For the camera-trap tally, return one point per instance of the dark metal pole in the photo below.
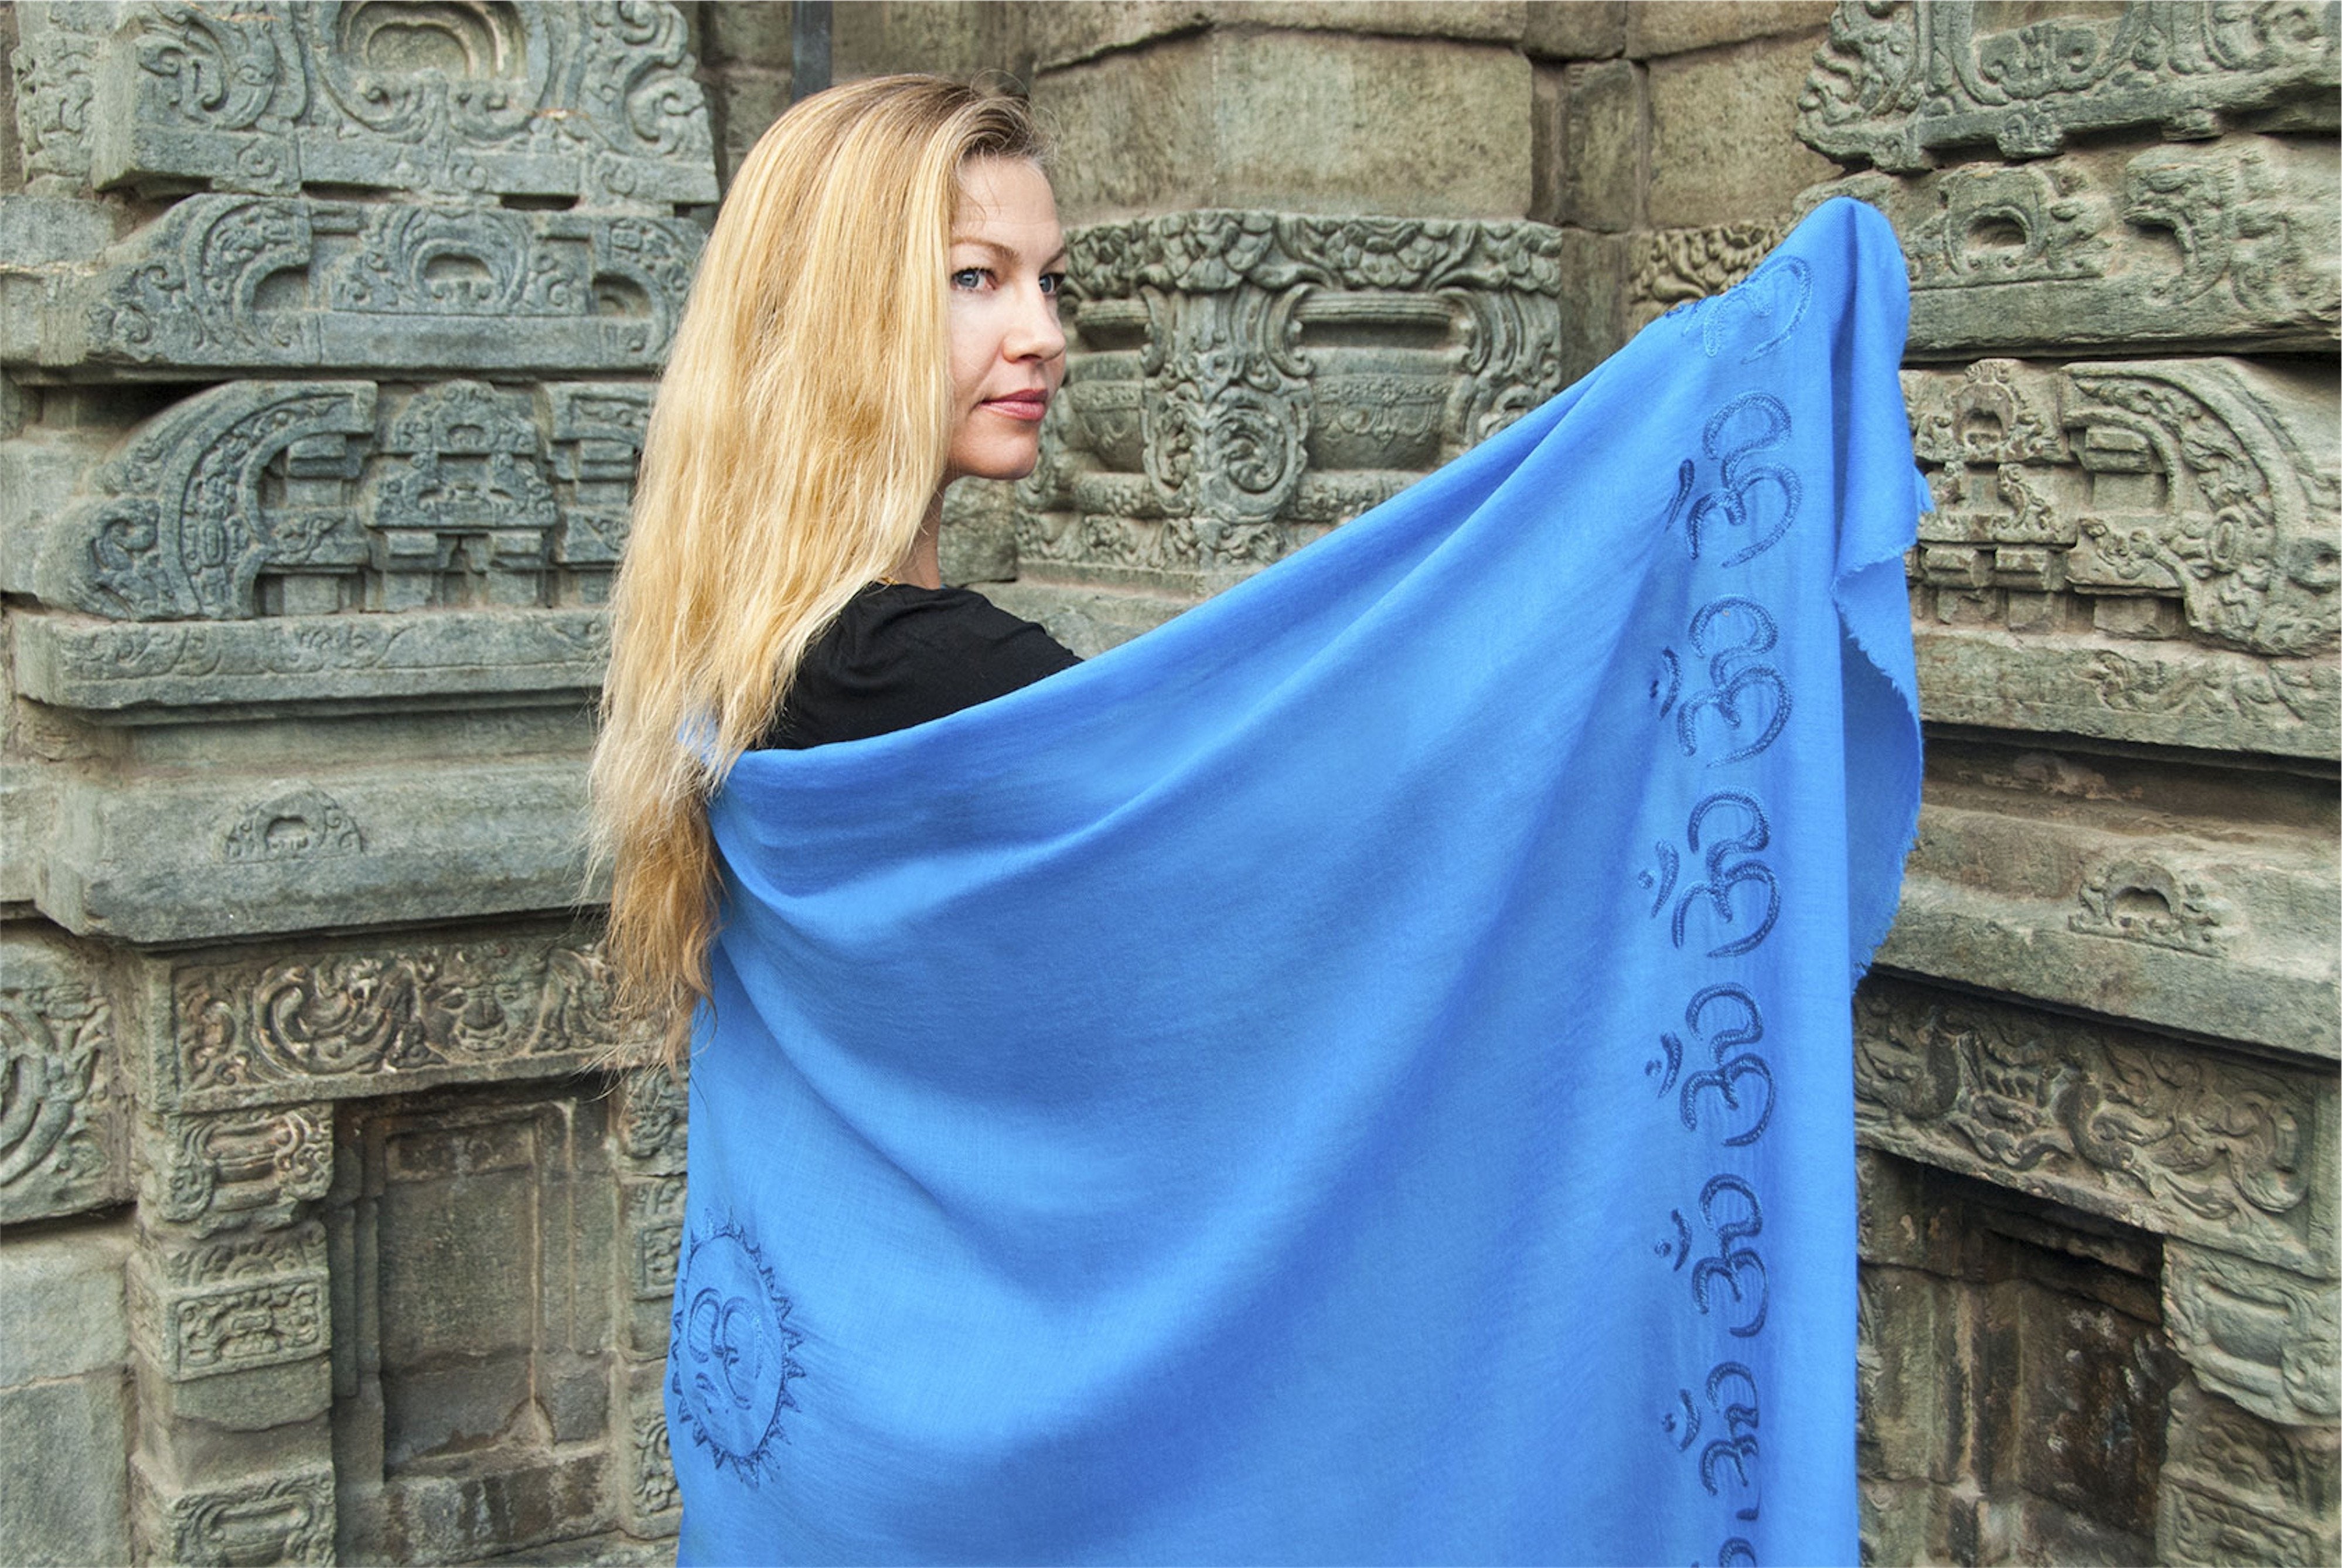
(808, 47)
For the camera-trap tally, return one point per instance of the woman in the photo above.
(1200, 1108)
(874, 316)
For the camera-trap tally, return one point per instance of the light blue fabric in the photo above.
(1361, 1073)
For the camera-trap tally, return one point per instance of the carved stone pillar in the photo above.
(328, 337)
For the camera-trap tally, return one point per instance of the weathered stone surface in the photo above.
(2174, 1141)
(286, 1518)
(64, 1488)
(234, 1304)
(61, 1134)
(234, 1169)
(1242, 382)
(2238, 1489)
(123, 667)
(877, 37)
(2226, 245)
(60, 1311)
(526, 99)
(53, 231)
(340, 1019)
(1669, 268)
(1904, 86)
(1087, 620)
(1291, 120)
(269, 497)
(1606, 150)
(979, 543)
(1675, 26)
(165, 863)
(1706, 110)
(261, 283)
(1573, 29)
(2261, 1335)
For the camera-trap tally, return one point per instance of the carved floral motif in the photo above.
(1898, 85)
(228, 1305)
(55, 1042)
(309, 1026)
(2136, 899)
(284, 1519)
(2166, 1138)
(2263, 1337)
(303, 823)
(239, 1168)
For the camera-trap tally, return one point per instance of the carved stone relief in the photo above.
(303, 823)
(236, 1168)
(402, 1017)
(59, 1137)
(286, 1518)
(202, 1308)
(591, 102)
(1243, 381)
(1906, 86)
(2171, 1139)
(2236, 1488)
(274, 283)
(2262, 1335)
(293, 498)
(2228, 244)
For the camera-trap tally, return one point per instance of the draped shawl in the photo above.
(1362, 1072)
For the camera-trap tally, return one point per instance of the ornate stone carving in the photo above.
(2194, 1527)
(298, 825)
(651, 1481)
(1902, 87)
(57, 1044)
(301, 1029)
(1243, 380)
(1674, 267)
(248, 283)
(284, 1519)
(2135, 899)
(109, 666)
(229, 1305)
(269, 498)
(652, 1220)
(2169, 1139)
(592, 102)
(57, 48)
(2228, 244)
(2262, 1335)
(237, 1168)
(651, 1122)
(2196, 481)
(2235, 1486)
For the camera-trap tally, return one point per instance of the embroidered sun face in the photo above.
(728, 1366)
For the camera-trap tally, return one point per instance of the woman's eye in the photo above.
(1053, 283)
(970, 277)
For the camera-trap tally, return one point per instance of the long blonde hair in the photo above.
(795, 442)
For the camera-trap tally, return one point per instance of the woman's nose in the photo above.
(1036, 332)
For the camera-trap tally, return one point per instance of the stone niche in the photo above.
(329, 332)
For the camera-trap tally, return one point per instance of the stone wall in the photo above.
(324, 337)
(328, 333)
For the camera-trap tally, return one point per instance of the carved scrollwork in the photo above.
(56, 1039)
(2262, 1335)
(286, 1518)
(2160, 1136)
(1898, 85)
(52, 62)
(464, 101)
(229, 1304)
(301, 824)
(300, 1028)
(245, 1168)
(2140, 900)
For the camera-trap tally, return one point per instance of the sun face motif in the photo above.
(728, 1366)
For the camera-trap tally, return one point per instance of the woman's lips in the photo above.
(1027, 406)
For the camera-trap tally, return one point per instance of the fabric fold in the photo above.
(1362, 1072)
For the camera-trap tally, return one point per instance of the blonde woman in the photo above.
(874, 316)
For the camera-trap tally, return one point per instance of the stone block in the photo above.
(1910, 86)
(64, 1481)
(484, 1512)
(1485, 21)
(1089, 621)
(2088, 1433)
(749, 33)
(602, 107)
(2221, 246)
(2023, 1528)
(61, 1304)
(2228, 1473)
(1679, 26)
(1605, 157)
(979, 544)
(2261, 1335)
(53, 231)
(60, 1116)
(877, 37)
(320, 1019)
(259, 283)
(234, 1169)
(222, 1307)
(1296, 121)
(1573, 29)
(1722, 143)
(1909, 1376)
(748, 101)
(284, 1517)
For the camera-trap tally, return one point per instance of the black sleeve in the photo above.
(900, 655)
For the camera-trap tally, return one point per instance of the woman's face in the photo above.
(1007, 351)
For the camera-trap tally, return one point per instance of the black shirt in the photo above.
(899, 655)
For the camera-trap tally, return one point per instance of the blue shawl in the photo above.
(1362, 1072)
